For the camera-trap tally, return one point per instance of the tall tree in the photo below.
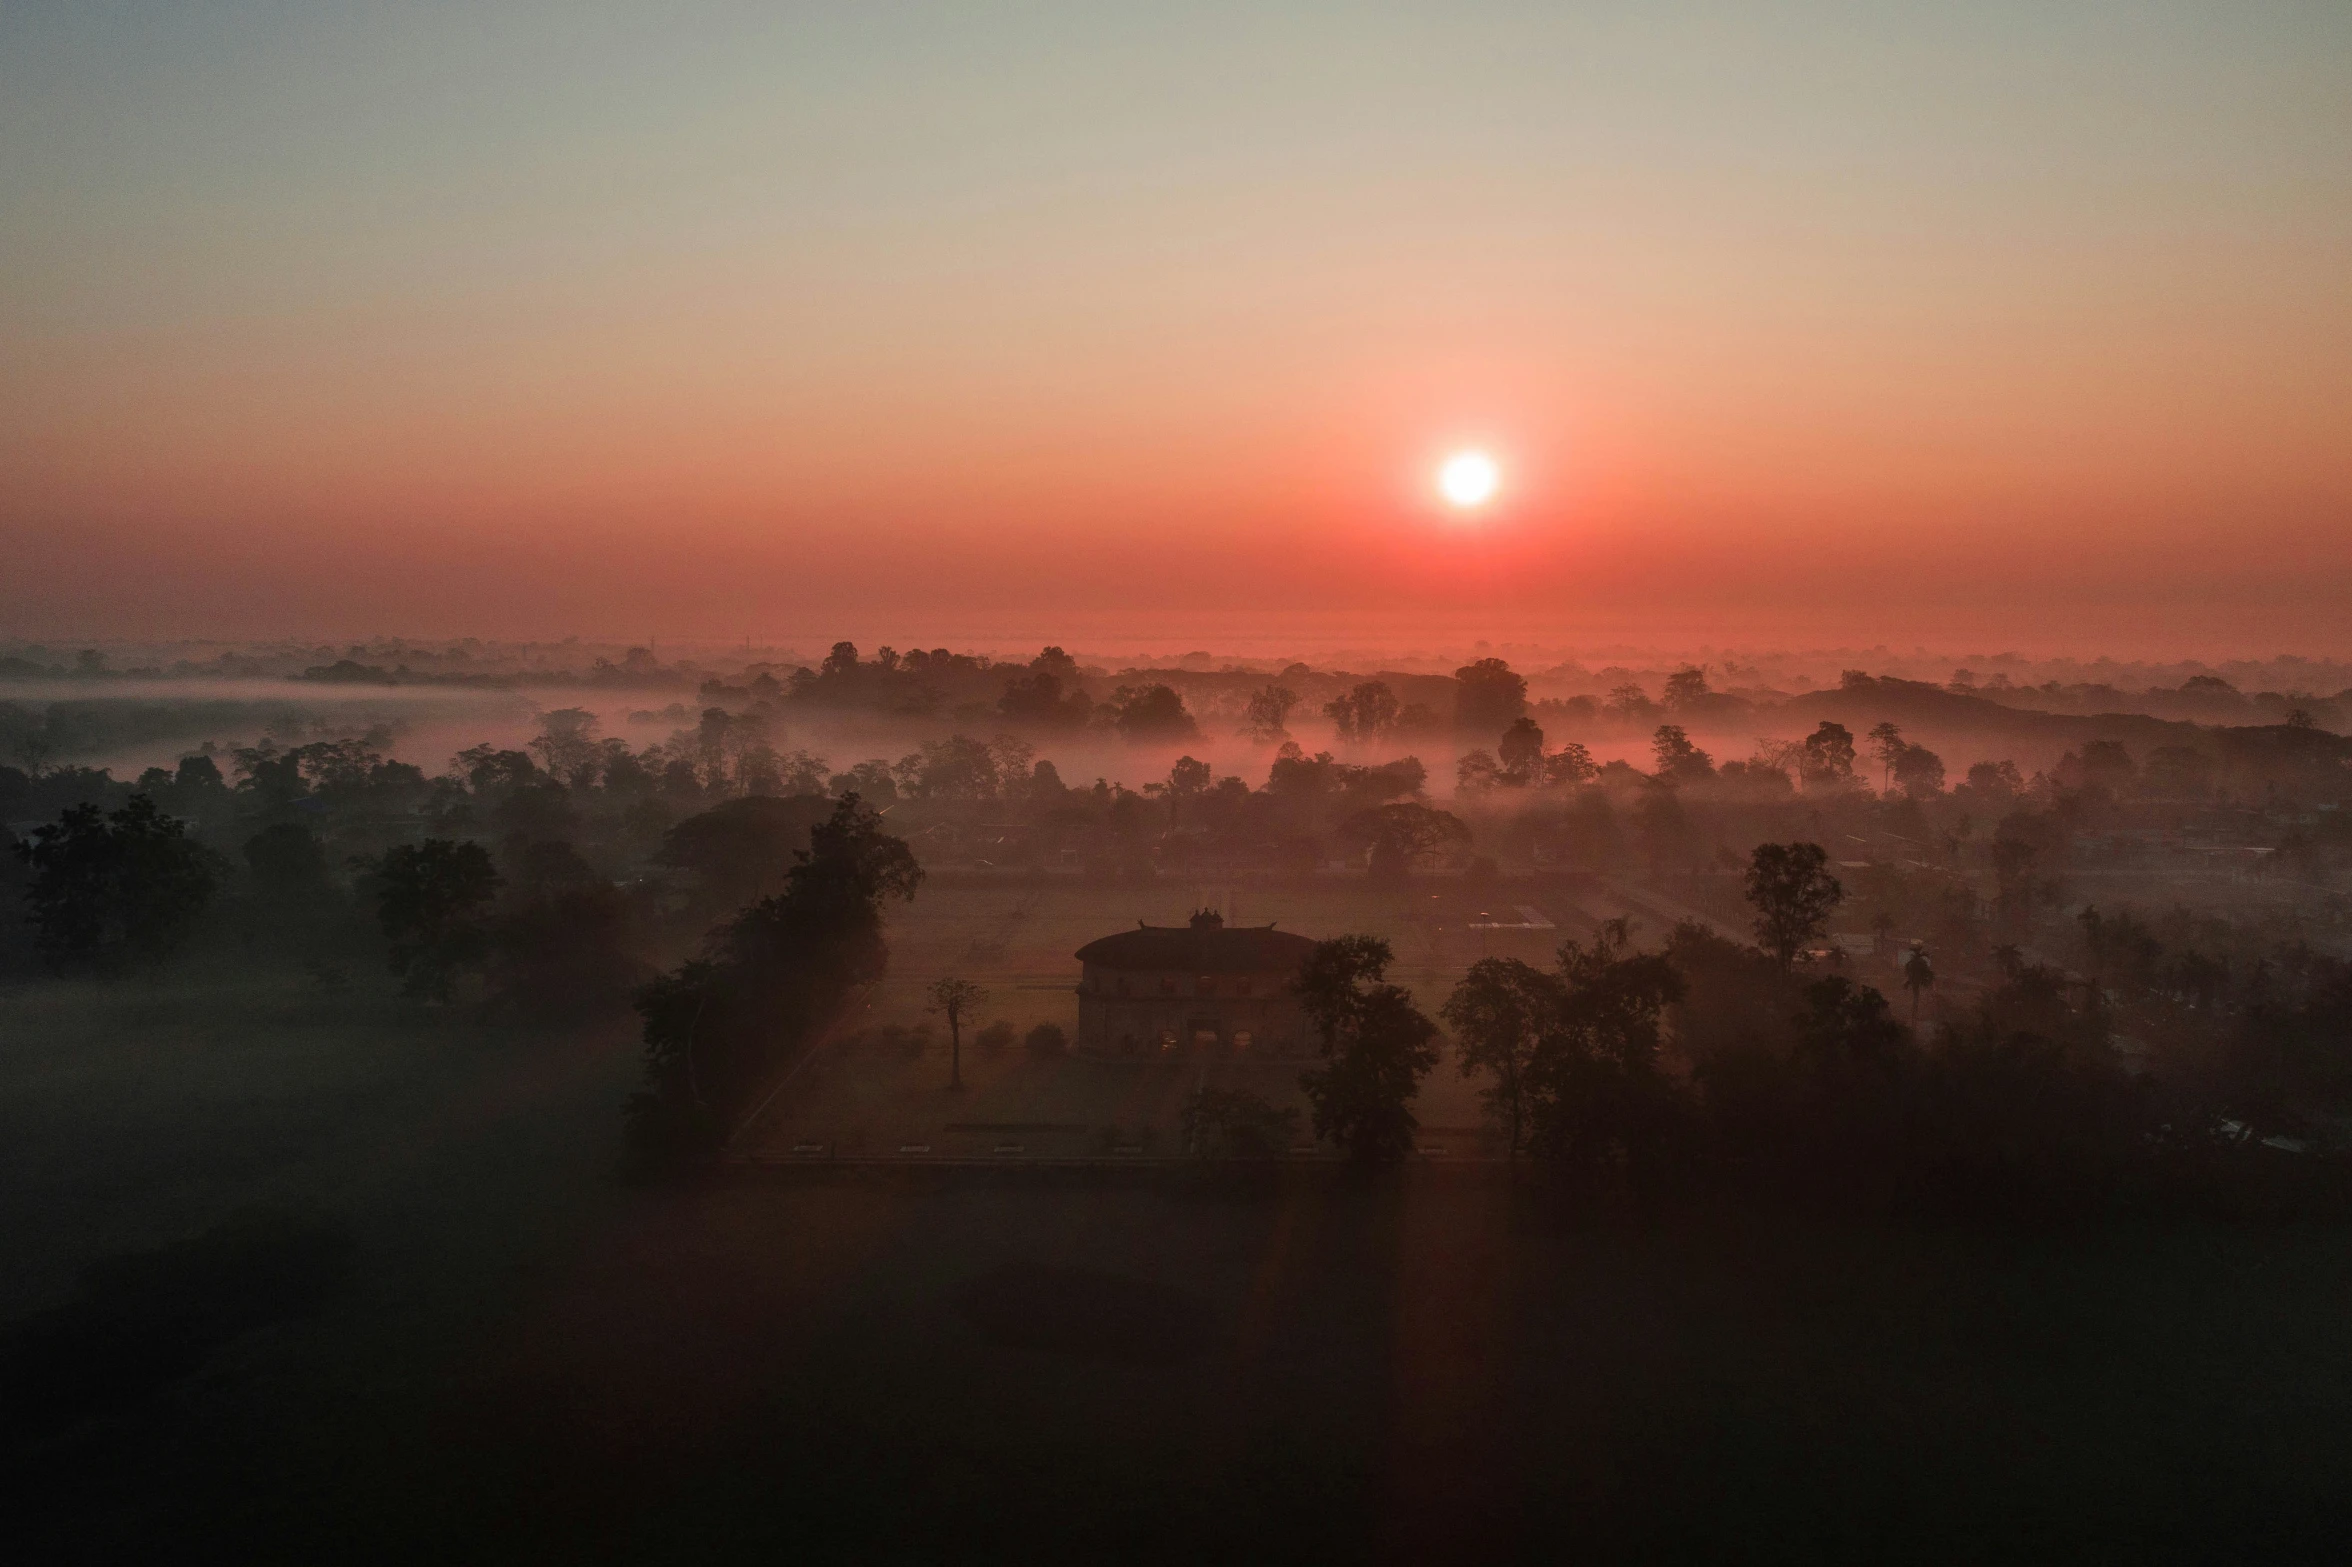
(1501, 1014)
(1918, 976)
(741, 851)
(1597, 1092)
(1827, 759)
(115, 887)
(1521, 752)
(955, 999)
(1151, 713)
(1686, 688)
(431, 899)
(1886, 743)
(1268, 717)
(771, 979)
(1368, 712)
(1488, 694)
(1919, 772)
(1793, 895)
(1402, 835)
(1679, 761)
(1376, 1048)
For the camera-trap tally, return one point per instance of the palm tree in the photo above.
(955, 997)
(1918, 975)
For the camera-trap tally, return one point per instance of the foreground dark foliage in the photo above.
(113, 888)
(718, 1028)
(1376, 1048)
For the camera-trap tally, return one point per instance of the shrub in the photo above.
(1047, 1041)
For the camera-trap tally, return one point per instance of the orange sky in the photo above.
(1810, 323)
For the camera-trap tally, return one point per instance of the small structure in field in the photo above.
(1203, 988)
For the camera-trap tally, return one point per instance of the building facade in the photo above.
(1205, 988)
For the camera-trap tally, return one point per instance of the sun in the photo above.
(1468, 480)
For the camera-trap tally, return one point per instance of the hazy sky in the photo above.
(1808, 322)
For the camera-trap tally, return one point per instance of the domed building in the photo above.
(1203, 988)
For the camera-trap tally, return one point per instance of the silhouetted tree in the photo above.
(1828, 757)
(1044, 698)
(1919, 772)
(1521, 753)
(772, 978)
(1501, 1014)
(1477, 772)
(1886, 743)
(1918, 976)
(289, 867)
(1268, 715)
(114, 887)
(1488, 694)
(1679, 761)
(1571, 764)
(1628, 703)
(954, 999)
(1686, 688)
(1152, 713)
(1366, 713)
(1793, 896)
(566, 949)
(1598, 1098)
(743, 850)
(566, 745)
(1376, 1048)
(1402, 835)
(431, 899)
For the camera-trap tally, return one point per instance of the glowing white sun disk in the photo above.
(1468, 479)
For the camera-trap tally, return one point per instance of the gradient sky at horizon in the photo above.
(2011, 323)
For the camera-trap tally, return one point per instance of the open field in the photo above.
(529, 1358)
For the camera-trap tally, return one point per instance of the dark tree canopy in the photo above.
(1046, 699)
(1502, 1013)
(1376, 1048)
(1793, 895)
(1268, 717)
(1827, 757)
(742, 850)
(432, 898)
(1488, 695)
(1368, 712)
(1403, 835)
(1521, 752)
(1153, 712)
(1598, 1099)
(115, 887)
(772, 979)
(288, 862)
